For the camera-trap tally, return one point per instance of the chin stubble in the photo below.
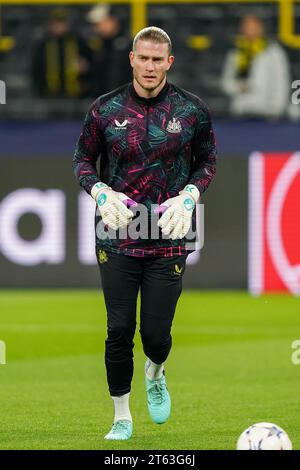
(149, 88)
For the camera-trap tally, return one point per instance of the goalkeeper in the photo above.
(157, 151)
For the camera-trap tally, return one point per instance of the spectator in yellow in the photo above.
(61, 60)
(256, 74)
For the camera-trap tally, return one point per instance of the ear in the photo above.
(131, 58)
(170, 61)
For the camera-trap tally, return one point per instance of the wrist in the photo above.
(192, 191)
(98, 188)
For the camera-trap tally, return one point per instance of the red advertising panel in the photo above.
(274, 223)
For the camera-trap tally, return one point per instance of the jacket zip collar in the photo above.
(149, 101)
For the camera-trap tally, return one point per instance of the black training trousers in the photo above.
(160, 283)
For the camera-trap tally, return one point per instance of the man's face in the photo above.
(252, 28)
(108, 27)
(150, 63)
(59, 28)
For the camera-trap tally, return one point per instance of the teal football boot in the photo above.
(158, 399)
(121, 430)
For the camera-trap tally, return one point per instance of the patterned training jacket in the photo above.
(148, 149)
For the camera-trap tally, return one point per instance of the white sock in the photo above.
(122, 410)
(153, 371)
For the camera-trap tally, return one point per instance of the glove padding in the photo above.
(112, 206)
(177, 213)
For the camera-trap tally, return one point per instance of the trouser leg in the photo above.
(121, 276)
(160, 290)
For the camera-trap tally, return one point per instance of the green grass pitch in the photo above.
(230, 367)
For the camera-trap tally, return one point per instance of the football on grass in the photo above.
(264, 436)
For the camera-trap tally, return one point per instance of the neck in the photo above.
(148, 93)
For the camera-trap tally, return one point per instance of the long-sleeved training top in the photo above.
(149, 149)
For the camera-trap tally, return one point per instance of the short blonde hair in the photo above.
(152, 33)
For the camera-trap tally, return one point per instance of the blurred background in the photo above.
(241, 57)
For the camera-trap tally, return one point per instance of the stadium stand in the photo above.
(198, 65)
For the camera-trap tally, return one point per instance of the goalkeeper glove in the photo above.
(177, 212)
(112, 206)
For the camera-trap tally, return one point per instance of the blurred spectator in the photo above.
(111, 66)
(61, 61)
(256, 75)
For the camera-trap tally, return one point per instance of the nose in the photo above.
(150, 66)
